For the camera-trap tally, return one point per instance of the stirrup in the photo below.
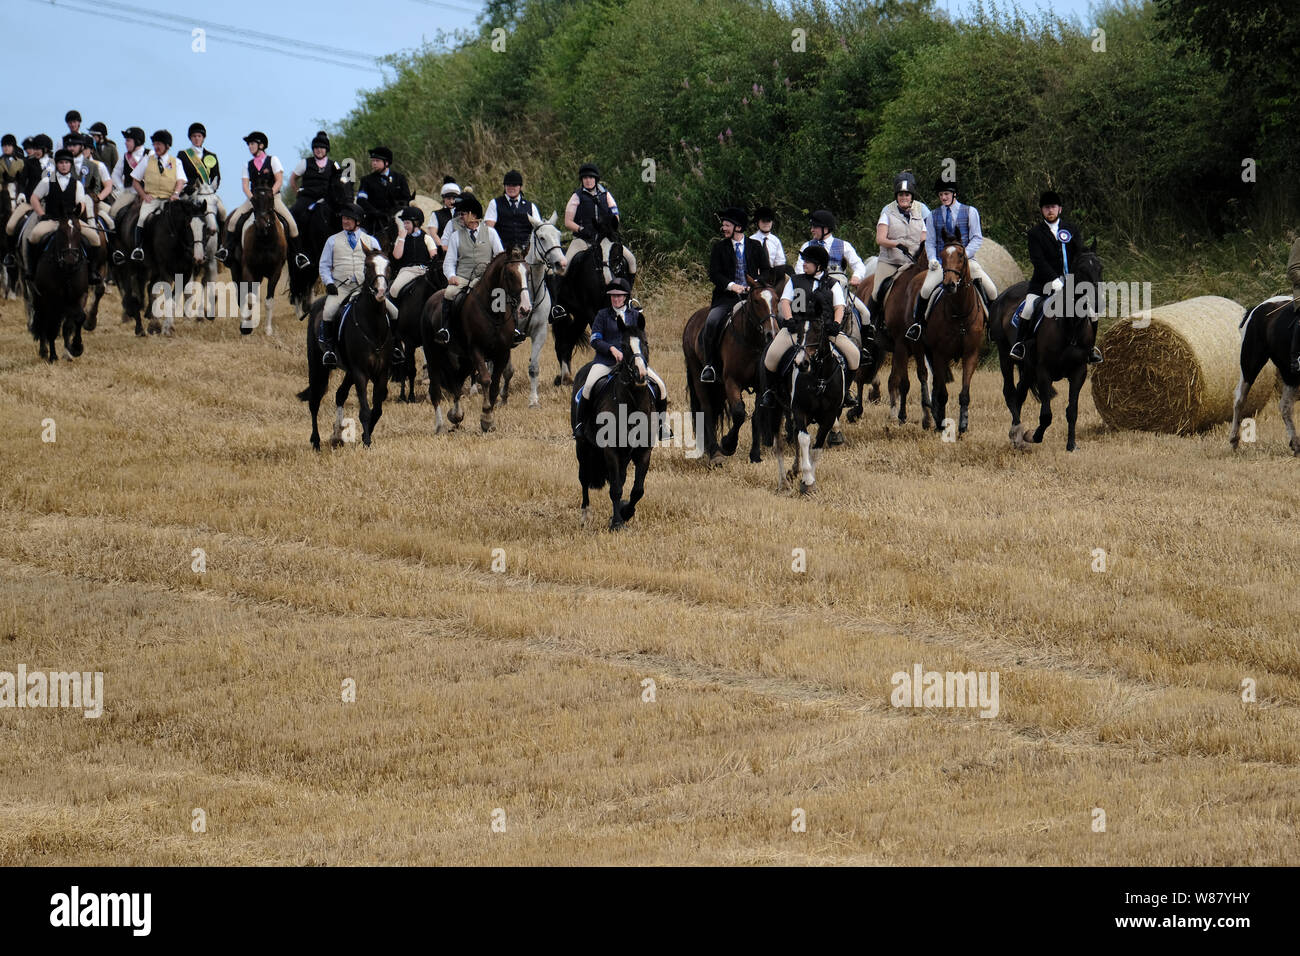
(399, 356)
(1095, 358)
(519, 336)
(913, 333)
(221, 254)
(328, 358)
(708, 374)
(301, 260)
(1018, 351)
(768, 399)
(558, 312)
(10, 261)
(442, 336)
(137, 254)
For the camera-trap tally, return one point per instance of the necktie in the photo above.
(819, 242)
(947, 218)
(160, 165)
(740, 264)
(352, 240)
(473, 234)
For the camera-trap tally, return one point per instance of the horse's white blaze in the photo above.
(381, 277)
(525, 303)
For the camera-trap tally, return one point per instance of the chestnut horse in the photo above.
(954, 331)
(262, 254)
(893, 316)
(745, 336)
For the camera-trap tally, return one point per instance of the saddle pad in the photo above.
(1038, 309)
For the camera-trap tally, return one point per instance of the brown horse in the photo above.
(745, 337)
(897, 309)
(262, 253)
(955, 330)
(482, 334)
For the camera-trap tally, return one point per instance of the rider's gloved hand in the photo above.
(331, 289)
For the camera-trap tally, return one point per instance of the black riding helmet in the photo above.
(618, 285)
(353, 212)
(99, 128)
(905, 182)
(824, 218)
(197, 128)
(135, 134)
(1050, 198)
(943, 185)
(383, 153)
(162, 136)
(817, 254)
(62, 155)
(764, 214)
(412, 214)
(467, 203)
(9, 139)
(734, 215)
(513, 178)
(257, 136)
(588, 169)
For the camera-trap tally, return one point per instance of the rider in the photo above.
(1293, 273)
(964, 220)
(384, 190)
(811, 296)
(203, 175)
(413, 252)
(73, 119)
(900, 233)
(470, 248)
(157, 180)
(612, 330)
(821, 228)
(36, 166)
(315, 179)
(450, 193)
(263, 170)
(134, 154)
(55, 198)
(1051, 243)
(770, 242)
(11, 163)
(95, 179)
(590, 206)
(343, 264)
(510, 214)
(733, 260)
(105, 148)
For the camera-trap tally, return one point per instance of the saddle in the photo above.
(1036, 318)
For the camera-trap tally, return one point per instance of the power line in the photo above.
(449, 6)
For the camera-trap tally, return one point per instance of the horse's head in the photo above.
(69, 253)
(264, 208)
(546, 246)
(760, 310)
(514, 280)
(377, 266)
(1087, 271)
(186, 217)
(952, 259)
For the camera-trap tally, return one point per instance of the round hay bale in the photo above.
(999, 265)
(1177, 374)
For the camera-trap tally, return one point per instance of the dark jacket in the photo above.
(722, 267)
(1045, 254)
(384, 196)
(608, 333)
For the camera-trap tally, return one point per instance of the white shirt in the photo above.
(491, 214)
(168, 162)
(837, 291)
(43, 188)
(121, 171)
(276, 167)
(770, 242)
(453, 248)
(1055, 227)
(856, 267)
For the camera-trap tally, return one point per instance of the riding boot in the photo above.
(915, 330)
(399, 353)
(984, 297)
(443, 335)
(580, 414)
(295, 252)
(328, 338)
(518, 336)
(766, 397)
(1022, 335)
(1295, 339)
(709, 373)
(1095, 358)
(137, 254)
(557, 311)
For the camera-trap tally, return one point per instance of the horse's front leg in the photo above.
(340, 396)
(363, 401)
(923, 382)
(535, 363)
(1072, 409)
(641, 465)
(380, 393)
(490, 386)
(1286, 405)
(807, 478)
(735, 404)
(967, 374)
(271, 283)
(1044, 396)
(616, 473)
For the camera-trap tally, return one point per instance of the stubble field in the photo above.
(522, 691)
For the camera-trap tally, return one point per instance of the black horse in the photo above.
(364, 352)
(1266, 331)
(315, 226)
(173, 242)
(58, 295)
(621, 431)
(1059, 349)
(810, 392)
(128, 274)
(581, 291)
(410, 308)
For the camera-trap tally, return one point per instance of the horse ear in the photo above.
(551, 221)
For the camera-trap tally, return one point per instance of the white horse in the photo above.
(545, 254)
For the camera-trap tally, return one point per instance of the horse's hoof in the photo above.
(534, 404)
(626, 510)
(336, 442)
(486, 425)
(556, 383)
(1295, 445)
(1071, 446)
(806, 490)
(836, 437)
(139, 331)
(717, 459)
(755, 458)
(728, 445)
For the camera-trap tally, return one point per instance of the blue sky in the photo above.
(231, 88)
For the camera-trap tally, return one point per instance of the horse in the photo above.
(623, 423)
(262, 253)
(955, 330)
(810, 392)
(745, 336)
(1266, 337)
(128, 274)
(545, 254)
(1060, 349)
(896, 310)
(321, 221)
(410, 309)
(582, 294)
(874, 348)
(173, 241)
(9, 275)
(364, 352)
(58, 295)
(482, 335)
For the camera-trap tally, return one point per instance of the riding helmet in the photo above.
(734, 215)
(197, 128)
(70, 138)
(449, 187)
(353, 212)
(764, 214)
(162, 136)
(62, 155)
(43, 142)
(382, 152)
(320, 139)
(817, 254)
(618, 285)
(513, 178)
(468, 203)
(412, 214)
(905, 182)
(824, 218)
(257, 136)
(1050, 198)
(944, 185)
(9, 139)
(72, 115)
(135, 134)
(99, 128)
(589, 169)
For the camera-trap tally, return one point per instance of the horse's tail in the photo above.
(1033, 388)
(591, 465)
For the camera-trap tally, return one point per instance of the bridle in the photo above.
(962, 273)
